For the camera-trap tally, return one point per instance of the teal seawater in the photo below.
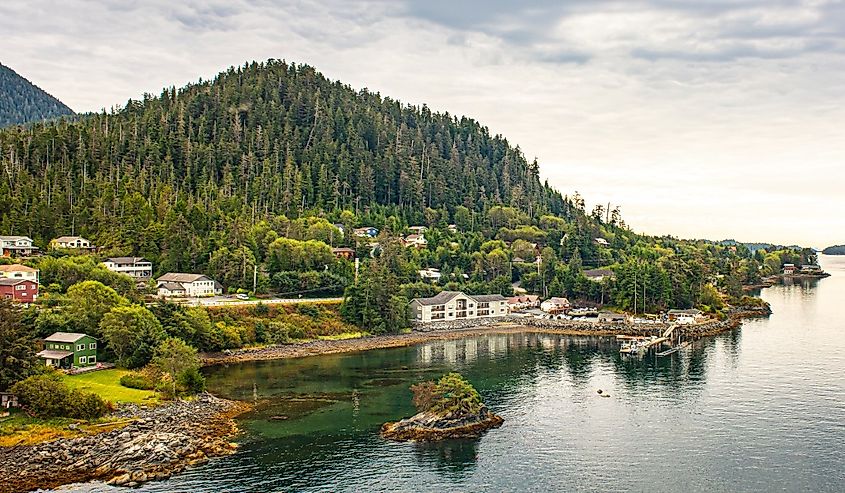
(759, 409)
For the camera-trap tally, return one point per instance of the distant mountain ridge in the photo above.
(21, 101)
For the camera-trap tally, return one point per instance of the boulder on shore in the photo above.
(429, 426)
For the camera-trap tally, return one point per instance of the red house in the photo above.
(22, 290)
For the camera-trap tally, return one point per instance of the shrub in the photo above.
(192, 381)
(451, 394)
(48, 396)
(137, 381)
(308, 309)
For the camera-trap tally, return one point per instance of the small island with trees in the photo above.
(834, 250)
(449, 408)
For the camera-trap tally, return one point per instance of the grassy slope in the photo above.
(106, 383)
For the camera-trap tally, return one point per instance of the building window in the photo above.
(82, 360)
(80, 347)
(92, 359)
(20, 287)
(92, 345)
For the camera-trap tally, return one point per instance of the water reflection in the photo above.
(455, 458)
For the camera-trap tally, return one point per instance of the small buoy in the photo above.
(599, 391)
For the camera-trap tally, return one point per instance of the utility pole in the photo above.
(254, 279)
(635, 290)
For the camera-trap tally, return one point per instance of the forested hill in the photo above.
(834, 250)
(265, 138)
(23, 102)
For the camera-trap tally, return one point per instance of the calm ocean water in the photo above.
(760, 409)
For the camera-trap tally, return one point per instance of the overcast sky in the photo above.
(702, 119)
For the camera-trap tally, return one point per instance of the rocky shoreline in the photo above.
(156, 443)
(469, 328)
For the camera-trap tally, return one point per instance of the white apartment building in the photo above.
(455, 305)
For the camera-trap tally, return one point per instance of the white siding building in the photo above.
(175, 284)
(71, 243)
(16, 246)
(17, 271)
(138, 268)
(455, 305)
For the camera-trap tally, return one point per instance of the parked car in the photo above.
(242, 296)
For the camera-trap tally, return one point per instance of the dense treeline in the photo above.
(22, 102)
(177, 177)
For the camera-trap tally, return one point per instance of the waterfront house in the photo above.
(455, 305)
(71, 243)
(612, 318)
(178, 284)
(18, 271)
(365, 232)
(555, 305)
(686, 317)
(430, 274)
(344, 252)
(811, 269)
(517, 303)
(69, 350)
(598, 275)
(789, 269)
(415, 240)
(137, 268)
(16, 246)
(20, 290)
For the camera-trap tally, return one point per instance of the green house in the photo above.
(69, 350)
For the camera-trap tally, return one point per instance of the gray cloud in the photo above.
(670, 108)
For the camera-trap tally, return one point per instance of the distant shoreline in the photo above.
(473, 328)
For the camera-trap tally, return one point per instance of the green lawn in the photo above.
(106, 383)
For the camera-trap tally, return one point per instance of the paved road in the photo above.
(226, 301)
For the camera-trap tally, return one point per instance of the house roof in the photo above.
(182, 277)
(343, 250)
(16, 268)
(14, 281)
(65, 239)
(558, 301)
(126, 260)
(438, 299)
(488, 297)
(65, 337)
(688, 311)
(15, 238)
(54, 354)
(172, 286)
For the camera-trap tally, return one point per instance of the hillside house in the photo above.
(602, 242)
(177, 284)
(20, 290)
(137, 268)
(789, 269)
(455, 305)
(18, 271)
(344, 252)
(8, 400)
(365, 232)
(71, 243)
(430, 274)
(598, 275)
(555, 305)
(418, 229)
(415, 240)
(16, 246)
(69, 350)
